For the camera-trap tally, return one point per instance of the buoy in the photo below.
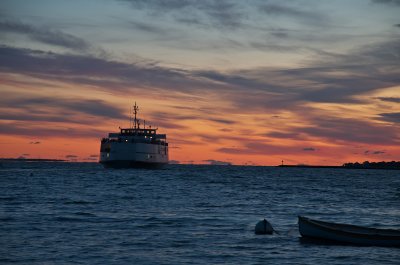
(263, 227)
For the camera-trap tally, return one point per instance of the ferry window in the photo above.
(108, 154)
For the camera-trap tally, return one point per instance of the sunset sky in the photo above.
(247, 82)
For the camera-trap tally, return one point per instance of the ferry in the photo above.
(134, 147)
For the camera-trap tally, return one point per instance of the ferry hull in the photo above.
(132, 164)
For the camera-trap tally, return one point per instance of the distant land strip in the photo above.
(394, 165)
(310, 166)
(32, 160)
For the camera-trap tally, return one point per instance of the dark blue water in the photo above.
(80, 213)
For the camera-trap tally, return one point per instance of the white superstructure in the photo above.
(134, 147)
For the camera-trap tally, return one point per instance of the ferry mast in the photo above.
(135, 111)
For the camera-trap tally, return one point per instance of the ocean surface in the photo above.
(80, 213)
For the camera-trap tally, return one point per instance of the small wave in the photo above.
(7, 260)
(242, 247)
(67, 219)
(6, 219)
(169, 222)
(207, 205)
(127, 244)
(71, 219)
(182, 244)
(7, 198)
(127, 197)
(78, 202)
(233, 205)
(85, 214)
(151, 219)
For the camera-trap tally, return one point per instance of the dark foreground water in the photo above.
(80, 213)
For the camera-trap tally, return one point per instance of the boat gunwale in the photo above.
(337, 228)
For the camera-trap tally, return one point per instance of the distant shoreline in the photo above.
(393, 165)
(31, 160)
(308, 166)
